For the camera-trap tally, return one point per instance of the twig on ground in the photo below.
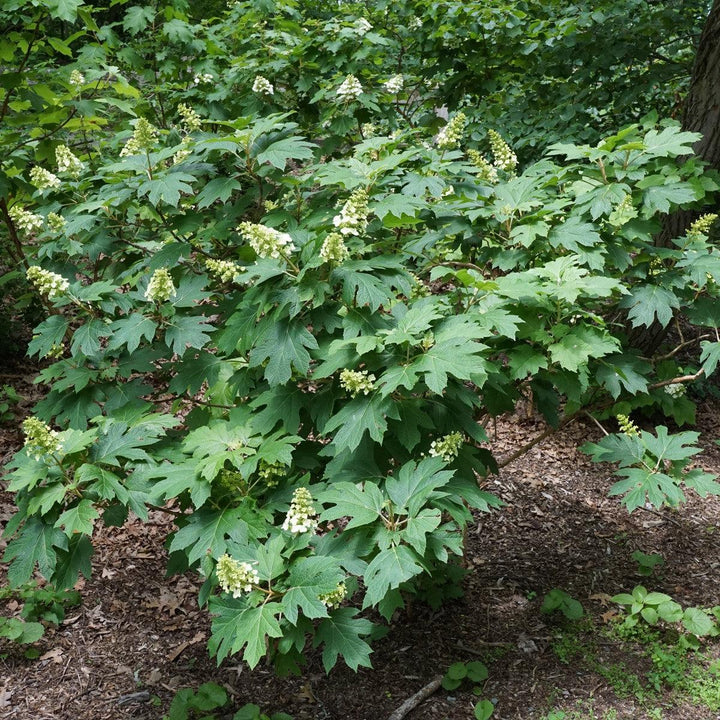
(412, 702)
(142, 696)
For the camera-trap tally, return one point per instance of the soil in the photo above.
(138, 636)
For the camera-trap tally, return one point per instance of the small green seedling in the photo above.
(647, 563)
(654, 606)
(558, 599)
(475, 672)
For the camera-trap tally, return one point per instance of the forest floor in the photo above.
(138, 636)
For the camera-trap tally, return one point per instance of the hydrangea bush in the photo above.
(289, 332)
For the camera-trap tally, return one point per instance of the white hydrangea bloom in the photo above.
(77, 78)
(143, 138)
(447, 447)
(362, 26)
(334, 250)
(395, 84)
(301, 516)
(47, 283)
(203, 79)
(55, 222)
(236, 577)
(262, 86)
(335, 597)
(452, 133)
(67, 161)
(353, 216)
(25, 220)
(40, 440)
(265, 241)
(350, 89)
(357, 381)
(160, 288)
(505, 158)
(675, 390)
(190, 118)
(43, 179)
(223, 270)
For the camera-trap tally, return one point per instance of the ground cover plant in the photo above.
(284, 297)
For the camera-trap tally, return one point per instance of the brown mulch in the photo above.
(138, 637)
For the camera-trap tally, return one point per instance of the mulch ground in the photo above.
(138, 636)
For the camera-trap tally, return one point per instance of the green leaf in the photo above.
(387, 570)
(362, 414)
(484, 710)
(36, 544)
(167, 188)
(187, 331)
(284, 346)
(207, 532)
(362, 505)
(86, 339)
(73, 561)
(309, 577)
(646, 302)
(341, 633)
(698, 622)
(65, 10)
(130, 331)
(279, 152)
(219, 188)
(670, 142)
(49, 332)
(710, 356)
(456, 358)
(79, 519)
(235, 627)
(137, 18)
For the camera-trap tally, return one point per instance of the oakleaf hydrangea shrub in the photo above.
(290, 333)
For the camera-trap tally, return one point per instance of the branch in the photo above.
(412, 702)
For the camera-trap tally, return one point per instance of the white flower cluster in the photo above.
(223, 270)
(368, 129)
(77, 78)
(335, 597)
(447, 447)
(701, 227)
(451, 134)
(40, 440)
(357, 381)
(55, 222)
(203, 79)
(395, 84)
(334, 250)
(265, 241)
(67, 161)
(353, 216)
(190, 118)
(301, 516)
(362, 26)
(675, 390)
(160, 288)
(485, 170)
(43, 179)
(47, 283)
(143, 138)
(350, 89)
(236, 577)
(183, 151)
(25, 220)
(262, 86)
(505, 158)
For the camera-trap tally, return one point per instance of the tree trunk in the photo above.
(702, 112)
(702, 115)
